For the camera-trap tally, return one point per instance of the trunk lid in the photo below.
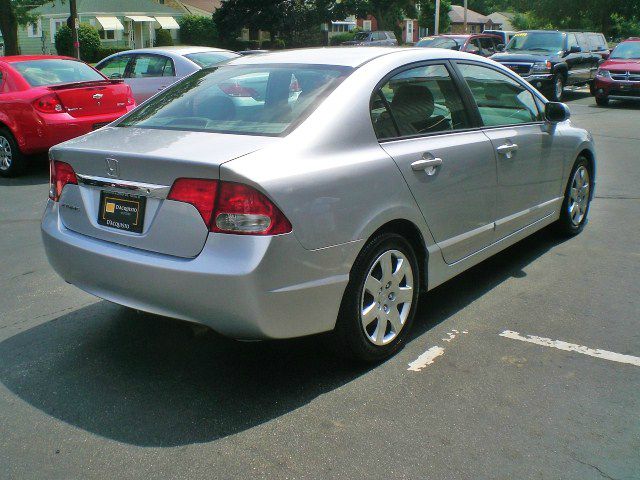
(93, 98)
(141, 165)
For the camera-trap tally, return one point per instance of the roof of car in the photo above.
(177, 50)
(26, 58)
(631, 39)
(343, 56)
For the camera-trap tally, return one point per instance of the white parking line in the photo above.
(572, 347)
(427, 358)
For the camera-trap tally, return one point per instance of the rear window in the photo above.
(56, 71)
(207, 59)
(240, 99)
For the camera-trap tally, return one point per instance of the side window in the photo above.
(422, 100)
(500, 99)
(147, 66)
(572, 41)
(488, 47)
(116, 67)
(582, 42)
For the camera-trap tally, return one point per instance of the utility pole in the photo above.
(74, 28)
(465, 17)
(436, 29)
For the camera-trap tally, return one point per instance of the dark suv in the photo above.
(552, 60)
(373, 39)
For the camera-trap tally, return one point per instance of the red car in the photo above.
(45, 100)
(482, 44)
(619, 76)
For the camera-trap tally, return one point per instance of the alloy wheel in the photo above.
(579, 195)
(6, 155)
(386, 298)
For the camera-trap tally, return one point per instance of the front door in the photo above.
(409, 31)
(521, 143)
(418, 115)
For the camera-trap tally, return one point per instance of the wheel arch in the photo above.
(591, 160)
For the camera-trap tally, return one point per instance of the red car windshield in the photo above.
(626, 51)
(56, 71)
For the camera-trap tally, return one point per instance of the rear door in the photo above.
(150, 73)
(527, 172)
(422, 123)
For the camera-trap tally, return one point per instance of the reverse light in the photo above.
(60, 174)
(49, 103)
(228, 207)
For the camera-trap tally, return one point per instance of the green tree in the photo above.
(163, 38)
(12, 14)
(198, 30)
(88, 37)
(427, 15)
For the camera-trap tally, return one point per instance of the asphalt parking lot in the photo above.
(91, 390)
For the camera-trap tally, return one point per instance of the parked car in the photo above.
(477, 43)
(150, 70)
(551, 60)
(378, 38)
(391, 172)
(619, 76)
(505, 35)
(46, 99)
(251, 52)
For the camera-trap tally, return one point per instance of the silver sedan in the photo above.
(150, 70)
(318, 190)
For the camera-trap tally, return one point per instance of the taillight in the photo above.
(60, 174)
(198, 192)
(228, 207)
(49, 103)
(130, 99)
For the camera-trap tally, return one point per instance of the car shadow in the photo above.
(151, 381)
(36, 172)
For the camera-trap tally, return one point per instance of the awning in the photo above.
(140, 18)
(110, 23)
(168, 23)
(343, 23)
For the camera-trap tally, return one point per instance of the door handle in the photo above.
(429, 166)
(507, 149)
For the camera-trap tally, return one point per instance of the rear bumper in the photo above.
(247, 287)
(56, 128)
(616, 89)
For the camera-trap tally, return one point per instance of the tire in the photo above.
(602, 101)
(384, 298)
(556, 91)
(577, 199)
(592, 88)
(11, 159)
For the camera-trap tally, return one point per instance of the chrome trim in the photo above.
(138, 188)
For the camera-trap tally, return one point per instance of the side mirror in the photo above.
(605, 56)
(500, 47)
(556, 112)
(575, 49)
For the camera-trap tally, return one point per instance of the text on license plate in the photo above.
(122, 211)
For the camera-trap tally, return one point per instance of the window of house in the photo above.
(107, 34)
(500, 99)
(366, 25)
(34, 29)
(421, 100)
(54, 26)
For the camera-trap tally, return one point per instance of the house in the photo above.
(121, 23)
(204, 8)
(503, 18)
(410, 29)
(476, 22)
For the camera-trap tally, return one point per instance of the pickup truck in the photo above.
(553, 60)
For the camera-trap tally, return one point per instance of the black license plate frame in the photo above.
(122, 211)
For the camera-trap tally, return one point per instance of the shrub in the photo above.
(341, 37)
(104, 52)
(163, 38)
(88, 37)
(198, 30)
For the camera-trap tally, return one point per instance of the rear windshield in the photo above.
(208, 59)
(626, 50)
(241, 99)
(537, 41)
(39, 73)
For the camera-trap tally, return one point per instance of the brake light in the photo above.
(60, 175)
(49, 103)
(228, 207)
(198, 192)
